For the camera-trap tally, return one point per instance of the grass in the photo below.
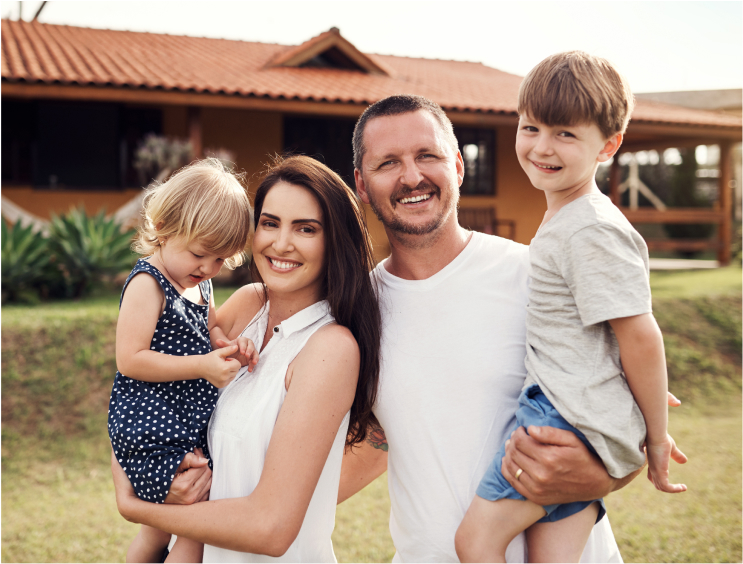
(58, 501)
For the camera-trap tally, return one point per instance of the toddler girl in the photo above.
(166, 385)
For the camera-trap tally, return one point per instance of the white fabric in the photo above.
(241, 428)
(453, 349)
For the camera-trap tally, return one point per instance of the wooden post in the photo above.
(194, 131)
(724, 234)
(614, 180)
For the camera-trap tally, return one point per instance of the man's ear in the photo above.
(460, 169)
(360, 186)
(611, 147)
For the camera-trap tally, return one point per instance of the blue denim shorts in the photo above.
(534, 409)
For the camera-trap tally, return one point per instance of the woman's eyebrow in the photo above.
(275, 217)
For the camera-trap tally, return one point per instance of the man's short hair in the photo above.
(395, 105)
(574, 88)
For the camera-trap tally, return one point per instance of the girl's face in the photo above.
(186, 264)
(289, 241)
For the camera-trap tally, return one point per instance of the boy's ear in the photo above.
(611, 147)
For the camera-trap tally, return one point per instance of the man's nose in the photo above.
(411, 175)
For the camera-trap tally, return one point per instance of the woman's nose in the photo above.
(283, 242)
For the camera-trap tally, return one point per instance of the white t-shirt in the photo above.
(452, 367)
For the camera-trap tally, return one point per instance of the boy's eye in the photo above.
(530, 128)
(197, 256)
(566, 134)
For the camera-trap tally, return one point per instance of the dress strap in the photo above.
(144, 266)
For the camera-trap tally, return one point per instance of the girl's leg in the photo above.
(563, 540)
(148, 545)
(489, 526)
(186, 550)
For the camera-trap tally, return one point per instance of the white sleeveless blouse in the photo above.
(241, 427)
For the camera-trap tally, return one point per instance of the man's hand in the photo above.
(246, 351)
(192, 480)
(556, 467)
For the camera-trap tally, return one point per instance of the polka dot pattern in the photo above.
(152, 426)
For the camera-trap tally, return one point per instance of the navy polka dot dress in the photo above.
(153, 425)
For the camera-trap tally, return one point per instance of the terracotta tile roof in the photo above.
(33, 52)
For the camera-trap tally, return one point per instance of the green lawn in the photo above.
(58, 501)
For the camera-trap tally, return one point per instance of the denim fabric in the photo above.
(534, 409)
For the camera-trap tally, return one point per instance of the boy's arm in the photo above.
(644, 364)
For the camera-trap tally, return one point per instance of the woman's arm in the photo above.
(323, 382)
(141, 307)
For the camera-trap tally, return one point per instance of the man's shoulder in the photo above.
(497, 249)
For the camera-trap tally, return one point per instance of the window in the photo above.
(478, 152)
(329, 140)
(60, 144)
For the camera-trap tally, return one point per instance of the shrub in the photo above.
(25, 262)
(89, 248)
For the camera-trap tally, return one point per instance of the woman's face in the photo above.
(289, 241)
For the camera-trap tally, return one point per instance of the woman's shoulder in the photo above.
(332, 342)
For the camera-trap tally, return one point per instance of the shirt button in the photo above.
(276, 329)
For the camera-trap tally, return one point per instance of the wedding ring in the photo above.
(518, 473)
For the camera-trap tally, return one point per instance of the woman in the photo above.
(278, 434)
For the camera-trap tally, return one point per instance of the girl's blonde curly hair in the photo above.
(202, 201)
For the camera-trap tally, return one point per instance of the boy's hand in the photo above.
(658, 460)
(218, 368)
(246, 353)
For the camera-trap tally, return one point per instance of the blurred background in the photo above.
(101, 98)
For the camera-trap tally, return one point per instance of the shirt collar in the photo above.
(305, 318)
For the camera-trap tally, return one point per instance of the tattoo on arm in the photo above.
(376, 437)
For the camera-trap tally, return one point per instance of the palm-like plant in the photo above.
(25, 259)
(87, 248)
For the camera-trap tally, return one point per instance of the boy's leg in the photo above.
(489, 526)
(148, 545)
(186, 550)
(563, 540)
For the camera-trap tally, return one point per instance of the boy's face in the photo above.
(562, 159)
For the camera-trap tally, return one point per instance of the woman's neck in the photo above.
(284, 305)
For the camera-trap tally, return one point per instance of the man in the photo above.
(453, 307)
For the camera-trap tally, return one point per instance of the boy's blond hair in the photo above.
(575, 88)
(201, 201)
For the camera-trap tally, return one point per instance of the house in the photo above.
(76, 101)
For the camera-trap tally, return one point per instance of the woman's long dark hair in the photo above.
(348, 261)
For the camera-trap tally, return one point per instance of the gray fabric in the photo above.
(588, 265)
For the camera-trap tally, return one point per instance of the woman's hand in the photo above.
(192, 481)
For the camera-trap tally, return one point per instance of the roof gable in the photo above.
(329, 50)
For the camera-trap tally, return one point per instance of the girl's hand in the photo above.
(218, 368)
(658, 461)
(192, 480)
(246, 353)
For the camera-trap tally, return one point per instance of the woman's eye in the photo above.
(306, 229)
(268, 223)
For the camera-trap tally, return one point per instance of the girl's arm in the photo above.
(141, 307)
(644, 364)
(322, 385)
(246, 355)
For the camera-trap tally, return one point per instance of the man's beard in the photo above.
(398, 225)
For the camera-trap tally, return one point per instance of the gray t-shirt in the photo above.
(588, 265)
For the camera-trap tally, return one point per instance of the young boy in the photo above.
(589, 305)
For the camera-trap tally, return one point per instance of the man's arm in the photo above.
(363, 464)
(557, 467)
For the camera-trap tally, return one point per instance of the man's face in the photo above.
(410, 175)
